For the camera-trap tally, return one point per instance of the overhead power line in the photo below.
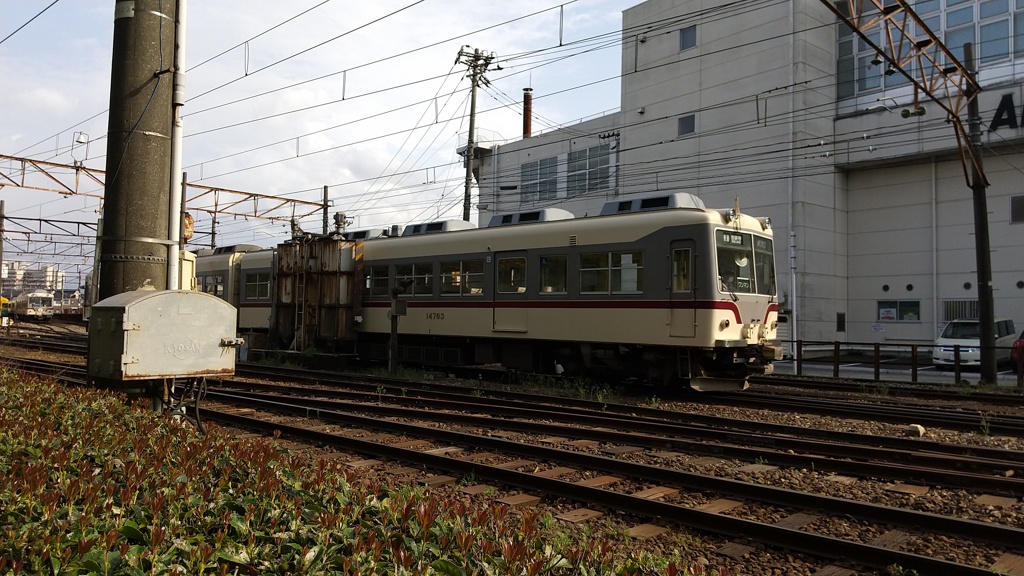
(29, 21)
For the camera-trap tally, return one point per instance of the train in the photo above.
(36, 306)
(659, 290)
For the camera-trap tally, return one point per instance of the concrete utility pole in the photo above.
(478, 62)
(2, 269)
(986, 312)
(135, 212)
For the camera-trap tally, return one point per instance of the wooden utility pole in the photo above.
(478, 62)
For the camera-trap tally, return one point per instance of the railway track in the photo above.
(470, 427)
(615, 483)
(839, 452)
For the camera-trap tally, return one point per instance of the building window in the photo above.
(257, 286)
(553, 272)
(688, 38)
(1016, 209)
(589, 170)
(687, 125)
(422, 276)
(538, 180)
(991, 25)
(899, 310)
(462, 278)
(959, 310)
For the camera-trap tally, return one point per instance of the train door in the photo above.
(682, 314)
(511, 313)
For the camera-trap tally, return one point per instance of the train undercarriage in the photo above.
(703, 369)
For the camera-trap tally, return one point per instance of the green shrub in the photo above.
(89, 485)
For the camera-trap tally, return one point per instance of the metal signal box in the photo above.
(150, 334)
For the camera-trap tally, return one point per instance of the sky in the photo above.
(284, 98)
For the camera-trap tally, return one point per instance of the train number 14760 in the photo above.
(435, 315)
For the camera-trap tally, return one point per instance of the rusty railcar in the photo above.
(313, 295)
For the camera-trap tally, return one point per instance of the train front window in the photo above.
(735, 262)
(39, 302)
(746, 263)
(764, 266)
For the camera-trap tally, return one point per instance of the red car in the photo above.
(1017, 352)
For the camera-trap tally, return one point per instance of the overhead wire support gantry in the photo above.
(937, 73)
(930, 66)
(67, 180)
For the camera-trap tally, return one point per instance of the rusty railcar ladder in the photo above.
(300, 304)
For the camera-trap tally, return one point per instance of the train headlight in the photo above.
(723, 324)
(775, 325)
(766, 223)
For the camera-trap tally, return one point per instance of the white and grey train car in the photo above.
(659, 289)
(35, 305)
(242, 275)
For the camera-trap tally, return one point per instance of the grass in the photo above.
(89, 485)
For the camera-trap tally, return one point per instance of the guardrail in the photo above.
(916, 356)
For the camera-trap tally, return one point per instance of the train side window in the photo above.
(452, 278)
(423, 276)
(627, 272)
(681, 270)
(473, 270)
(376, 282)
(257, 286)
(511, 275)
(462, 278)
(214, 285)
(403, 274)
(553, 274)
(594, 273)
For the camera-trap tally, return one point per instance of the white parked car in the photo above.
(967, 334)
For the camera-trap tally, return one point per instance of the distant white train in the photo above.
(35, 306)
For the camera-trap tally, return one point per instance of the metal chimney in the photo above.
(527, 112)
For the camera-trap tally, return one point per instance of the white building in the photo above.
(777, 104)
(49, 278)
(12, 274)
